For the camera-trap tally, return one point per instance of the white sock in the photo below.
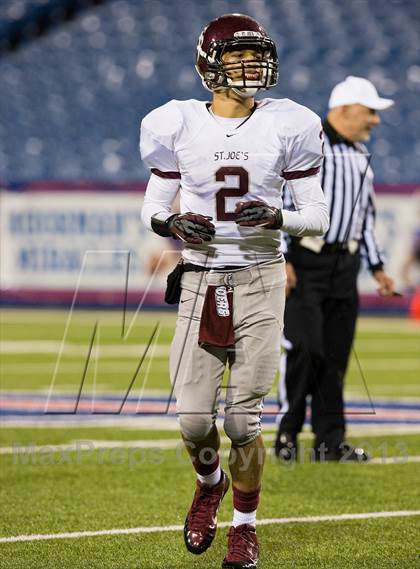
(211, 479)
(240, 518)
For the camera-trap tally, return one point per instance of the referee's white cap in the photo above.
(355, 90)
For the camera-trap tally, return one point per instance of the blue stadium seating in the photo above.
(72, 100)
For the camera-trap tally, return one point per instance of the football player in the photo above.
(229, 159)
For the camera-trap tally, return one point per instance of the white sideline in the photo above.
(160, 529)
(91, 445)
(171, 424)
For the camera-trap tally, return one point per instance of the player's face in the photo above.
(361, 120)
(233, 64)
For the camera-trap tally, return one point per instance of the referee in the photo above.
(322, 304)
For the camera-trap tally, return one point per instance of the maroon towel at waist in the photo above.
(216, 324)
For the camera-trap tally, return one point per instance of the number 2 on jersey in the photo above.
(229, 192)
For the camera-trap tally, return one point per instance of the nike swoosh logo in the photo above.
(234, 134)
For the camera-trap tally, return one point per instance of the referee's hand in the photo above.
(386, 283)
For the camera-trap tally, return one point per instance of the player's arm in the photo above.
(157, 216)
(311, 212)
(309, 218)
(304, 161)
(156, 148)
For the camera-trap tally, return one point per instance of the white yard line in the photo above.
(107, 389)
(69, 348)
(90, 446)
(383, 325)
(160, 529)
(77, 348)
(171, 424)
(386, 364)
(40, 368)
(394, 344)
(69, 368)
(391, 460)
(110, 390)
(380, 392)
(376, 391)
(85, 317)
(131, 423)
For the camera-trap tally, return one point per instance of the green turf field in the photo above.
(81, 489)
(385, 360)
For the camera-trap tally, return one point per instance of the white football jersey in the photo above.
(218, 166)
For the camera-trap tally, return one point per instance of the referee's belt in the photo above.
(317, 245)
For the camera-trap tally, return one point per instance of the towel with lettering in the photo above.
(216, 324)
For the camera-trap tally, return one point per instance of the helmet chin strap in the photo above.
(245, 92)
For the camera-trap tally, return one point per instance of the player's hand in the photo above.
(291, 278)
(386, 283)
(258, 214)
(191, 227)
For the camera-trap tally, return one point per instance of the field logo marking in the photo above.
(91, 365)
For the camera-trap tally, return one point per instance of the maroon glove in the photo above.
(191, 227)
(258, 214)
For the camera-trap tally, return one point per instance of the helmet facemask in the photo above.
(245, 77)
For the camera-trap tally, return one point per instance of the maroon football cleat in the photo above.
(201, 523)
(242, 548)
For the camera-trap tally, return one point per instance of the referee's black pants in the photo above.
(320, 319)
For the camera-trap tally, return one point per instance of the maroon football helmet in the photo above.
(236, 32)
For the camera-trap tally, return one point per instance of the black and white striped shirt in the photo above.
(347, 181)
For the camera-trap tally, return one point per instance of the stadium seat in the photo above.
(72, 100)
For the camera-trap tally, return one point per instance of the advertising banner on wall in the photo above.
(397, 220)
(58, 242)
(86, 243)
